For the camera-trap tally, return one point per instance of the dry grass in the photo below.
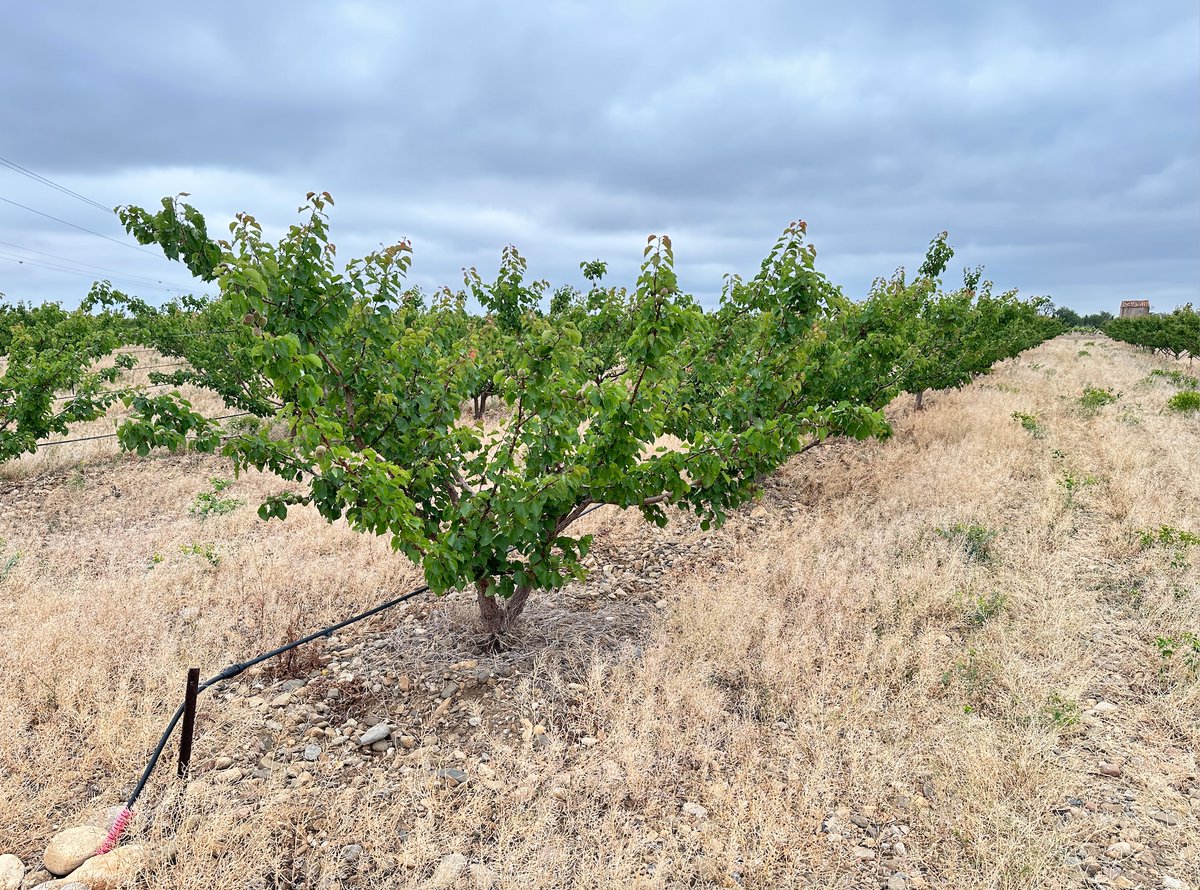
(825, 660)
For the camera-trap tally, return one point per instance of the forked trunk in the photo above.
(498, 615)
(920, 400)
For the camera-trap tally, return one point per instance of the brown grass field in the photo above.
(925, 662)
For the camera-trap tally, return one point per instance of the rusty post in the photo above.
(189, 721)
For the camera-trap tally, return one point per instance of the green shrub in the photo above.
(210, 503)
(1187, 401)
(1186, 645)
(975, 539)
(1095, 398)
(1177, 378)
(206, 551)
(1060, 711)
(1029, 422)
(980, 610)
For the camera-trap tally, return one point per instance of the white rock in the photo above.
(376, 733)
(68, 849)
(12, 872)
(112, 870)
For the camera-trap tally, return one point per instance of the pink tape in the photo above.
(114, 833)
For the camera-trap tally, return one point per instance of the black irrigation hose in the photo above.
(114, 435)
(237, 668)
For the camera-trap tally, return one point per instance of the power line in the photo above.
(81, 228)
(123, 275)
(37, 177)
(42, 264)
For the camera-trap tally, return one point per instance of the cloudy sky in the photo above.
(1059, 143)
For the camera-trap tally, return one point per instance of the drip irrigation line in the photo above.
(237, 668)
(104, 392)
(114, 435)
(147, 367)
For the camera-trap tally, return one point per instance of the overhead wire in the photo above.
(45, 180)
(124, 276)
(57, 219)
(56, 267)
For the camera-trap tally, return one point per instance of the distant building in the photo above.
(1134, 308)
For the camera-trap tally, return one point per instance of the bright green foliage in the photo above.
(910, 337)
(975, 539)
(207, 552)
(1186, 401)
(603, 317)
(1176, 334)
(634, 398)
(1186, 645)
(210, 503)
(48, 380)
(1072, 319)
(370, 387)
(979, 610)
(1094, 398)
(1030, 423)
(1072, 483)
(1177, 378)
(1061, 712)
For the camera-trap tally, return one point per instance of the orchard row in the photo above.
(371, 398)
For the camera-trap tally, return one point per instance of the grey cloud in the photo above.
(1058, 143)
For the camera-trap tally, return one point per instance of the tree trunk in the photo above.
(920, 400)
(498, 615)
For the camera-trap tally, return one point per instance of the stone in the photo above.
(12, 872)
(1164, 817)
(376, 733)
(448, 870)
(452, 776)
(68, 849)
(312, 752)
(112, 870)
